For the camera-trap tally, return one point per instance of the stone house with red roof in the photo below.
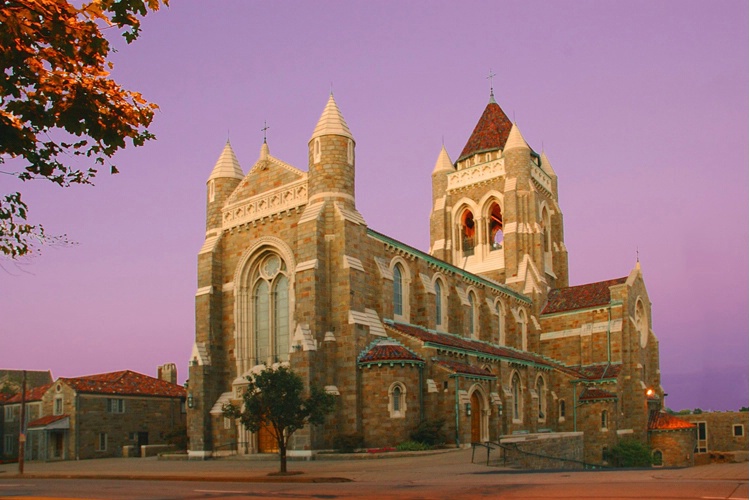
(482, 330)
(10, 405)
(96, 416)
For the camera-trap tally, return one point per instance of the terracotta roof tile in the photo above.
(464, 368)
(662, 421)
(581, 296)
(490, 133)
(594, 394)
(125, 382)
(41, 422)
(387, 350)
(34, 394)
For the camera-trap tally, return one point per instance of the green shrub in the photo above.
(348, 443)
(429, 432)
(177, 437)
(631, 453)
(413, 446)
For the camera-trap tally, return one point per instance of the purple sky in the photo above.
(641, 107)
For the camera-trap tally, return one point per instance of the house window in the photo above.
(10, 441)
(397, 400)
(116, 405)
(604, 420)
(468, 232)
(517, 396)
(227, 423)
(701, 437)
(57, 410)
(495, 226)
(738, 430)
(397, 290)
(541, 391)
(562, 410)
(10, 414)
(101, 444)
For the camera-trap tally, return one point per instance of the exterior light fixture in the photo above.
(468, 409)
(190, 401)
(650, 392)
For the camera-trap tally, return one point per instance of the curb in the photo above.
(293, 478)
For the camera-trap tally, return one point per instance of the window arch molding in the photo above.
(246, 278)
(405, 288)
(487, 203)
(485, 409)
(397, 400)
(440, 300)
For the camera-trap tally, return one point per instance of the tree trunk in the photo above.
(282, 455)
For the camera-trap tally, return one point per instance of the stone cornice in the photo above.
(279, 200)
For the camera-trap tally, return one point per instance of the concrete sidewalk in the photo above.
(389, 466)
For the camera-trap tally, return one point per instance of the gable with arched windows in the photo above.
(263, 307)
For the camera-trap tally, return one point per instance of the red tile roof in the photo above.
(464, 368)
(490, 132)
(125, 382)
(581, 296)
(594, 394)
(662, 421)
(34, 394)
(41, 422)
(387, 350)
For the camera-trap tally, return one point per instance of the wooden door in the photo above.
(475, 418)
(266, 440)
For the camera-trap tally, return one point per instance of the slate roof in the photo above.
(662, 421)
(600, 371)
(126, 383)
(595, 394)
(385, 350)
(464, 368)
(581, 296)
(34, 394)
(490, 133)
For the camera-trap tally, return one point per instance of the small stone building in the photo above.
(482, 330)
(720, 431)
(672, 440)
(97, 415)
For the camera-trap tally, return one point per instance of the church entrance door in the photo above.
(266, 441)
(476, 412)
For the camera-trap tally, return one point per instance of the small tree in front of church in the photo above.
(274, 399)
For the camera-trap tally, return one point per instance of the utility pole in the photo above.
(22, 433)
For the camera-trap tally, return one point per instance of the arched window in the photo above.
(397, 400)
(517, 399)
(501, 323)
(562, 409)
(523, 329)
(604, 419)
(468, 232)
(317, 152)
(641, 320)
(546, 230)
(657, 458)
(269, 311)
(495, 227)
(541, 391)
(473, 315)
(438, 302)
(397, 290)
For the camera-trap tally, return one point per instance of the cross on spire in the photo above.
(491, 84)
(263, 130)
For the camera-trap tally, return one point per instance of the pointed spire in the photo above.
(546, 165)
(331, 122)
(227, 165)
(515, 139)
(491, 131)
(444, 163)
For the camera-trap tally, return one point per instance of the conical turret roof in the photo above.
(331, 122)
(515, 139)
(491, 131)
(546, 165)
(443, 162)
(227, 165)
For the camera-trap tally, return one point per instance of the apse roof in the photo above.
(581, 296)
(662, 421)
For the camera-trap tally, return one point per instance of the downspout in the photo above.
(574, 406)
(77, 427)
(457, 412)
(421, 393)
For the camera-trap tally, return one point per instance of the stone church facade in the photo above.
(482, 330)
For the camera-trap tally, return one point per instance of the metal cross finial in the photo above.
(265, 127)
(638, 253)
(491, 78)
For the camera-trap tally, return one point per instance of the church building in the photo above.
(482, 329)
